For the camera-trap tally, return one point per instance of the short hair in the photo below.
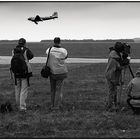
(21, 41)
(57, 40)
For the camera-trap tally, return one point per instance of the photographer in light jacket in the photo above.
(59, 71)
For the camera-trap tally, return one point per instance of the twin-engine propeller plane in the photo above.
(38, 18)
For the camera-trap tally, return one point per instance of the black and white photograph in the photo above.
(69, 69)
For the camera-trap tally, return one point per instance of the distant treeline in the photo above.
(4, 41)
(92, 40)
(74, 40)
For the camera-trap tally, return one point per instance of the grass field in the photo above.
(75, 49)
(83, 114)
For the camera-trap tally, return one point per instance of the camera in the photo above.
(125, 54)
(123, 49)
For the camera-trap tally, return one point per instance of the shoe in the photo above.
(22, 110)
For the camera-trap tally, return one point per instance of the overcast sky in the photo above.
(76, 20)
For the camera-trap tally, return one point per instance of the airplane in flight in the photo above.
(38, 18)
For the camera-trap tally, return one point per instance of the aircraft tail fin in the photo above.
(55, 14)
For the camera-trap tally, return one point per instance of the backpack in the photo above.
(18, 64)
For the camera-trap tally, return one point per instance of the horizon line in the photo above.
(73, 39)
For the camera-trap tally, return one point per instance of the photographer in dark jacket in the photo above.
(113, 74)
(22, 82)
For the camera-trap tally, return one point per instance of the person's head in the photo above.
(119, 47)
(21, 41)
(138, 72)
(57, 40)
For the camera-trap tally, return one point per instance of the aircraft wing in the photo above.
(33, 20)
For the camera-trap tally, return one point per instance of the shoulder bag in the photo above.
(45, 72)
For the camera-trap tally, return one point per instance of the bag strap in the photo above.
(25, 55)
(27, 61)
(48, 56)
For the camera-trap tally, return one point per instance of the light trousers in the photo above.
(21, 91)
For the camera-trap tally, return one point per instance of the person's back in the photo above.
(133, 92)
(135, 87)
(57, 60)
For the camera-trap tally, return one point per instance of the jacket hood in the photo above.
(113, 54)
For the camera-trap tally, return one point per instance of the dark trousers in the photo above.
(112, 95)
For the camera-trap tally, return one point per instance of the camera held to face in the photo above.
(125, 54)
(123, 50)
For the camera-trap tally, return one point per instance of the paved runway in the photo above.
(6, 60)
